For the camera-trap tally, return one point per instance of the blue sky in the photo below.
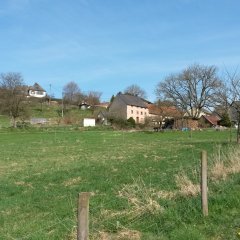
(107, 45)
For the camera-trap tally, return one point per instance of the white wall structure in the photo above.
(89, 122)
(37, 94)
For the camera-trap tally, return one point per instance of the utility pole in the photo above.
(50, 93)
(62, 104)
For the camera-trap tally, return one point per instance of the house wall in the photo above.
(118, 109)
(186, 123)
(38, 94)
(203, 123)
(137, 113)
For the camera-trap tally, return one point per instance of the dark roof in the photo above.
(104, 113)
(84, 104)
(36, 87)
(132, 100)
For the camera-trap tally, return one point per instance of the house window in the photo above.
(141, 113)
(137, 112)
(131, 111)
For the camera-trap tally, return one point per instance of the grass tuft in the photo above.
(186, 186)
(141, 198)
(225, 164)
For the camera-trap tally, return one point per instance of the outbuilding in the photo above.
(89, 122)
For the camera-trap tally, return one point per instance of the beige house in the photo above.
(126, 106)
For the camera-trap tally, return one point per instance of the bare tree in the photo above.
(191, 90)
(13, 95)
(229, 98)
(72, 93)
(135, 90)
(93, 98)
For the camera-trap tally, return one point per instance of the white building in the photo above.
(89, 122)
(36, 91)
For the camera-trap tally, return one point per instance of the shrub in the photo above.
(120, 123)
(225, 121)
(131, 122)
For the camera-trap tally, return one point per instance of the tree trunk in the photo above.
(14, 122)
(238, 129)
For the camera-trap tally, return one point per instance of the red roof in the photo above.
(103, 104)
(213, 119)
(168, 111)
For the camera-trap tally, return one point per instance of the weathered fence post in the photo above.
(83, 215)
(204, 183)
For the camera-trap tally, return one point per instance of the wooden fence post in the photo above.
(83, 216)
(204, 183)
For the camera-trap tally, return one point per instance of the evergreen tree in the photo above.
(225, 121)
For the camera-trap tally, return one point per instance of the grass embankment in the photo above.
(72, 114)
(144, 185)
(4, 122)
(53, 114)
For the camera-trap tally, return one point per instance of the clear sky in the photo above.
(107, 45)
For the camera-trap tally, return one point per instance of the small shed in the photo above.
(89, 122)
(209, 120)
(102, 117)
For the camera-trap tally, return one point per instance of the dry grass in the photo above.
(186, 186)
(165, 194)
(109, 214)
(73, 234)
(125, 234)
(72, 181)
(225, 164)
(218, 171)
(22, 183)
(141, 198)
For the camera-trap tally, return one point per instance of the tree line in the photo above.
(191, 90)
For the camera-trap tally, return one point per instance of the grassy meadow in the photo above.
(143, 185)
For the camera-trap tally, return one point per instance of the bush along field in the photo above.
(143, 185)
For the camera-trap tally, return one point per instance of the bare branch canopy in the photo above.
(192, 90)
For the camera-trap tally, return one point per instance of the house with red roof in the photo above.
(209, 121)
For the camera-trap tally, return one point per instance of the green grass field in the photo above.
(134, 178)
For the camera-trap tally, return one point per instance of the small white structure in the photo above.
(37, 91)
(39, 121)
(89, 122)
